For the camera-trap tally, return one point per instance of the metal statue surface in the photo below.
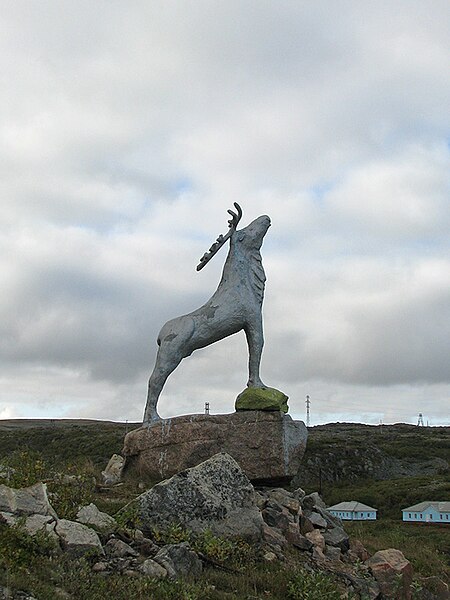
(235, 305)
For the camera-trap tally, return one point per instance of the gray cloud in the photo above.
(128, 132)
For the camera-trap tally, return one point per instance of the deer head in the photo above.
(232, 224)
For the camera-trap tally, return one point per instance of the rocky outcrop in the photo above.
(267, 445)
(347, 452)
(30, 509)
(215, 495)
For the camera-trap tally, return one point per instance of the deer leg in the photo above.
(255, 341)
(174, 345)
(165, 364)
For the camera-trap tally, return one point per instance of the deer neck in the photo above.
(239, 270)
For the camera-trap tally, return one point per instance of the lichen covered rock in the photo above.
(215, 495)
(262, 399)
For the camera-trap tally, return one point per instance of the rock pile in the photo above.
(119, 551)
(217, 496)
(31, 509)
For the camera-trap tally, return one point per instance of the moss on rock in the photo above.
(262, 399)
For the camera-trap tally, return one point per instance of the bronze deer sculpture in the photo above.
(236, 305)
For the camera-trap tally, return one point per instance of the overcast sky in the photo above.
(129, 128)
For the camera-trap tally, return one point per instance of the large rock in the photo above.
(113, 471)
(26, 501)
(116, 548)
(262, 399)
(77, 538)
(337, 537)
(393, 573)
(268, 445)
(152, 569)
(36, 523)
(214, 495)
(179, 560)
(91, 515)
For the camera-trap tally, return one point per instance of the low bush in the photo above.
(305, 585)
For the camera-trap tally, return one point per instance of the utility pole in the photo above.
(308, 401)
(206, 408)
(420, 421)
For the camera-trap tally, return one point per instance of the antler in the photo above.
(232, 224)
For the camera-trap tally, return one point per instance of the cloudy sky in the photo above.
(128, 129)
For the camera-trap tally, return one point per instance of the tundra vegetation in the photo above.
(69, 458)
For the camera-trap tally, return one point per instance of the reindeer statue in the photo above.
(236, 305)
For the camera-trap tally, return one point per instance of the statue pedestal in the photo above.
(267, 445)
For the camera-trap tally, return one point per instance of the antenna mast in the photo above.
(308, 401)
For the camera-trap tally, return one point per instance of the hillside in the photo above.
(353, 462)
(64, 440)
(387, 466)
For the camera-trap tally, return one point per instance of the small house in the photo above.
(427, 512)
(353, 511)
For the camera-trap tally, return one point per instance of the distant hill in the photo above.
(385, 466)
(64, 440)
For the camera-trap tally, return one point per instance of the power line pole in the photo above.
(308, 401)
(420, 421)
(206, 408)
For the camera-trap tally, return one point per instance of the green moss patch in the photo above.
(262, 399)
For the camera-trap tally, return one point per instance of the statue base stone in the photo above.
(267, 445)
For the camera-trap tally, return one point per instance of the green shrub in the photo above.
(128, 516)
(67, 491)
(174, 533)
(217, 549)
(24, 468)
(312, 586)
(18, 549)
(67, 495)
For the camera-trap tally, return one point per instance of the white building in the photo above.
(428, 512)
(353, 511)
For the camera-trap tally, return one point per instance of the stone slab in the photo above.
(267, 445)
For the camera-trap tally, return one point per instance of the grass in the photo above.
(48, 577)
(425, 545)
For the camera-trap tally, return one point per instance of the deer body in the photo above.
(236, 305)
